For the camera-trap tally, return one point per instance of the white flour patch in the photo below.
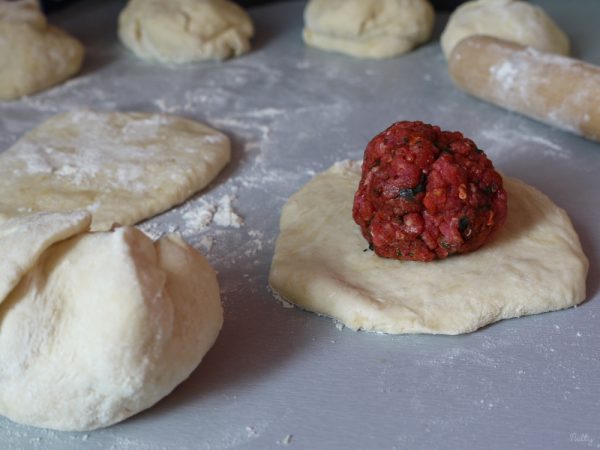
(197, 216)
(225, 215)
(155, 231)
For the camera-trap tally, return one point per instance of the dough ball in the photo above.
(534, 264)
(367, 28)
(511, 20)
(182, 31)
(102, 326)
(122, 167)
(34, 54)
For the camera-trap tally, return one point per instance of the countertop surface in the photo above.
(281, 377)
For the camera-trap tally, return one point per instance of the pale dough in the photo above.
(511, 20)
(24, 239)
(34, 54)
(122, 167)
(322, 263)
(367, 28)
(182, 31)
(102, 325)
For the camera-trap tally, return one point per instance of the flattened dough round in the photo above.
(534, 264)
(182, 31)
(367, 28)
(122, 167)
(102, 326)
(34, 54)
(511, 20)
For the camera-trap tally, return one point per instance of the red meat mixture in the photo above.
(427, 194)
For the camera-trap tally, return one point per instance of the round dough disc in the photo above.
(511, 20)
(34, 55)
(321, 263)
(102, 326)
(182, 31)
(122, 167)
(367, 28)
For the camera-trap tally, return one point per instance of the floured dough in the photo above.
(122, 167)
(182, 31)
(34, 55)
(321, 263)
(102, 325)
(367, 28)
(24, 239)
(511, 20)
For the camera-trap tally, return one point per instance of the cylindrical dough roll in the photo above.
(557, 90)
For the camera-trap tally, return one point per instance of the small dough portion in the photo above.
(368, 28)
(103, 326)
(183, 31)
(511, 20)
(321, 263)
(121, 167)
(34, 54)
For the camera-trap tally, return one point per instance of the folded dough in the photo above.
(99, 326)
(322, 263)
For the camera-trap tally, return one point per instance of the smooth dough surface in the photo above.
(103, 326)
(367, 28)
(38, 232)
(122, 167)
(511, 20)
(34, 54)
(182, 31)
(321, 263)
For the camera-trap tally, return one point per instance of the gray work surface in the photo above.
(285, 378)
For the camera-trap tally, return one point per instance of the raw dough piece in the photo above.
(24, 239)
(368, 28)
(512, 20)
(321, 263)
(182, 31)
(34, 54)
(554, 89)
(122, 167)
(103, 326)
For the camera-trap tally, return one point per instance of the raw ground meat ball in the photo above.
(427, 194)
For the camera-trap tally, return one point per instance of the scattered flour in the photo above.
(207, 242)
(279, 298)
(197, 216)
(225, 215)
(155, 231)
(503, 137)
(287, 440)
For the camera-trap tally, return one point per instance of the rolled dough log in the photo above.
(554, 89)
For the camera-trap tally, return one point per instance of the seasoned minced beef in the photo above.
(427, 194)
